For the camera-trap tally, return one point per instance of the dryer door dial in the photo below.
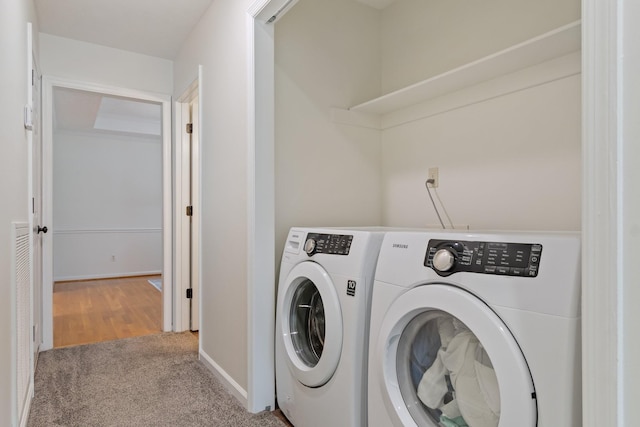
(443, 260)
(310, 246)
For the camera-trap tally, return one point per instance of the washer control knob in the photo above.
(310, 246)
(443, 260)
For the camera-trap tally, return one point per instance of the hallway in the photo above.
(155, 380)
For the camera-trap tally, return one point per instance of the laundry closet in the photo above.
(370, 94)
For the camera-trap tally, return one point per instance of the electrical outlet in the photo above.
(433, 174)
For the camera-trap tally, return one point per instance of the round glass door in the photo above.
(306, 323)
(448, 360)
(445, 374)
(311, 324)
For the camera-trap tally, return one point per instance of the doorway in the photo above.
(107, 215)
(115, 226)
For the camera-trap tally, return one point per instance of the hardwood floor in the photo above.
(101, 310)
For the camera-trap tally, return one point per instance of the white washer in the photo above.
(324, 299)
(477, 329)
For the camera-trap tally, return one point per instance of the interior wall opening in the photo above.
(107, 196)
(107, 217)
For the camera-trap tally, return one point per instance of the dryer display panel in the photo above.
(333, 244)
(511, 259)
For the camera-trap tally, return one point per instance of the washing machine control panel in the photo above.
(446, 257)
(333, 244)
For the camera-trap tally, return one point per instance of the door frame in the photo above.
(261, 258)
(48, 84)
(183, 256)
(610, 209)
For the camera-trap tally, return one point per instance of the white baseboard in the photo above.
(107, 276)
(24, 417)
(229, 383)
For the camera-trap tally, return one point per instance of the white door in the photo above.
(188, 211)
(194, 267)
(310, 324)
(36, 207)
(448, 359)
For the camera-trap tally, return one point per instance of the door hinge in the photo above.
(189, 127)
(33, 205)
(189, 210)
(189, 293)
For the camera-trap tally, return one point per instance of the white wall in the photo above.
(327, 174)
(87, 62)
(219, 43)
(13, 167)
(420, 39)
(107, 202)
(630, 182)
(509, 162)
(513, 162)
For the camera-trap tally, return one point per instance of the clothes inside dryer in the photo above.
(445, 375)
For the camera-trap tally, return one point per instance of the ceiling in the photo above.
(79, 110)
(150, 27)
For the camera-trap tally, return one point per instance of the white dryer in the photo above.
(323, 305)
(476, 329)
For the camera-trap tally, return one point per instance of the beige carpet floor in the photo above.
(154, 380)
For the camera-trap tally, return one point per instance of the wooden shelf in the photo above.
(554, 44)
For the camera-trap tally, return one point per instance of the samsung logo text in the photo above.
(400, 246)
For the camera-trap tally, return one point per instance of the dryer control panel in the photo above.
(508, 259)
(333, 244)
